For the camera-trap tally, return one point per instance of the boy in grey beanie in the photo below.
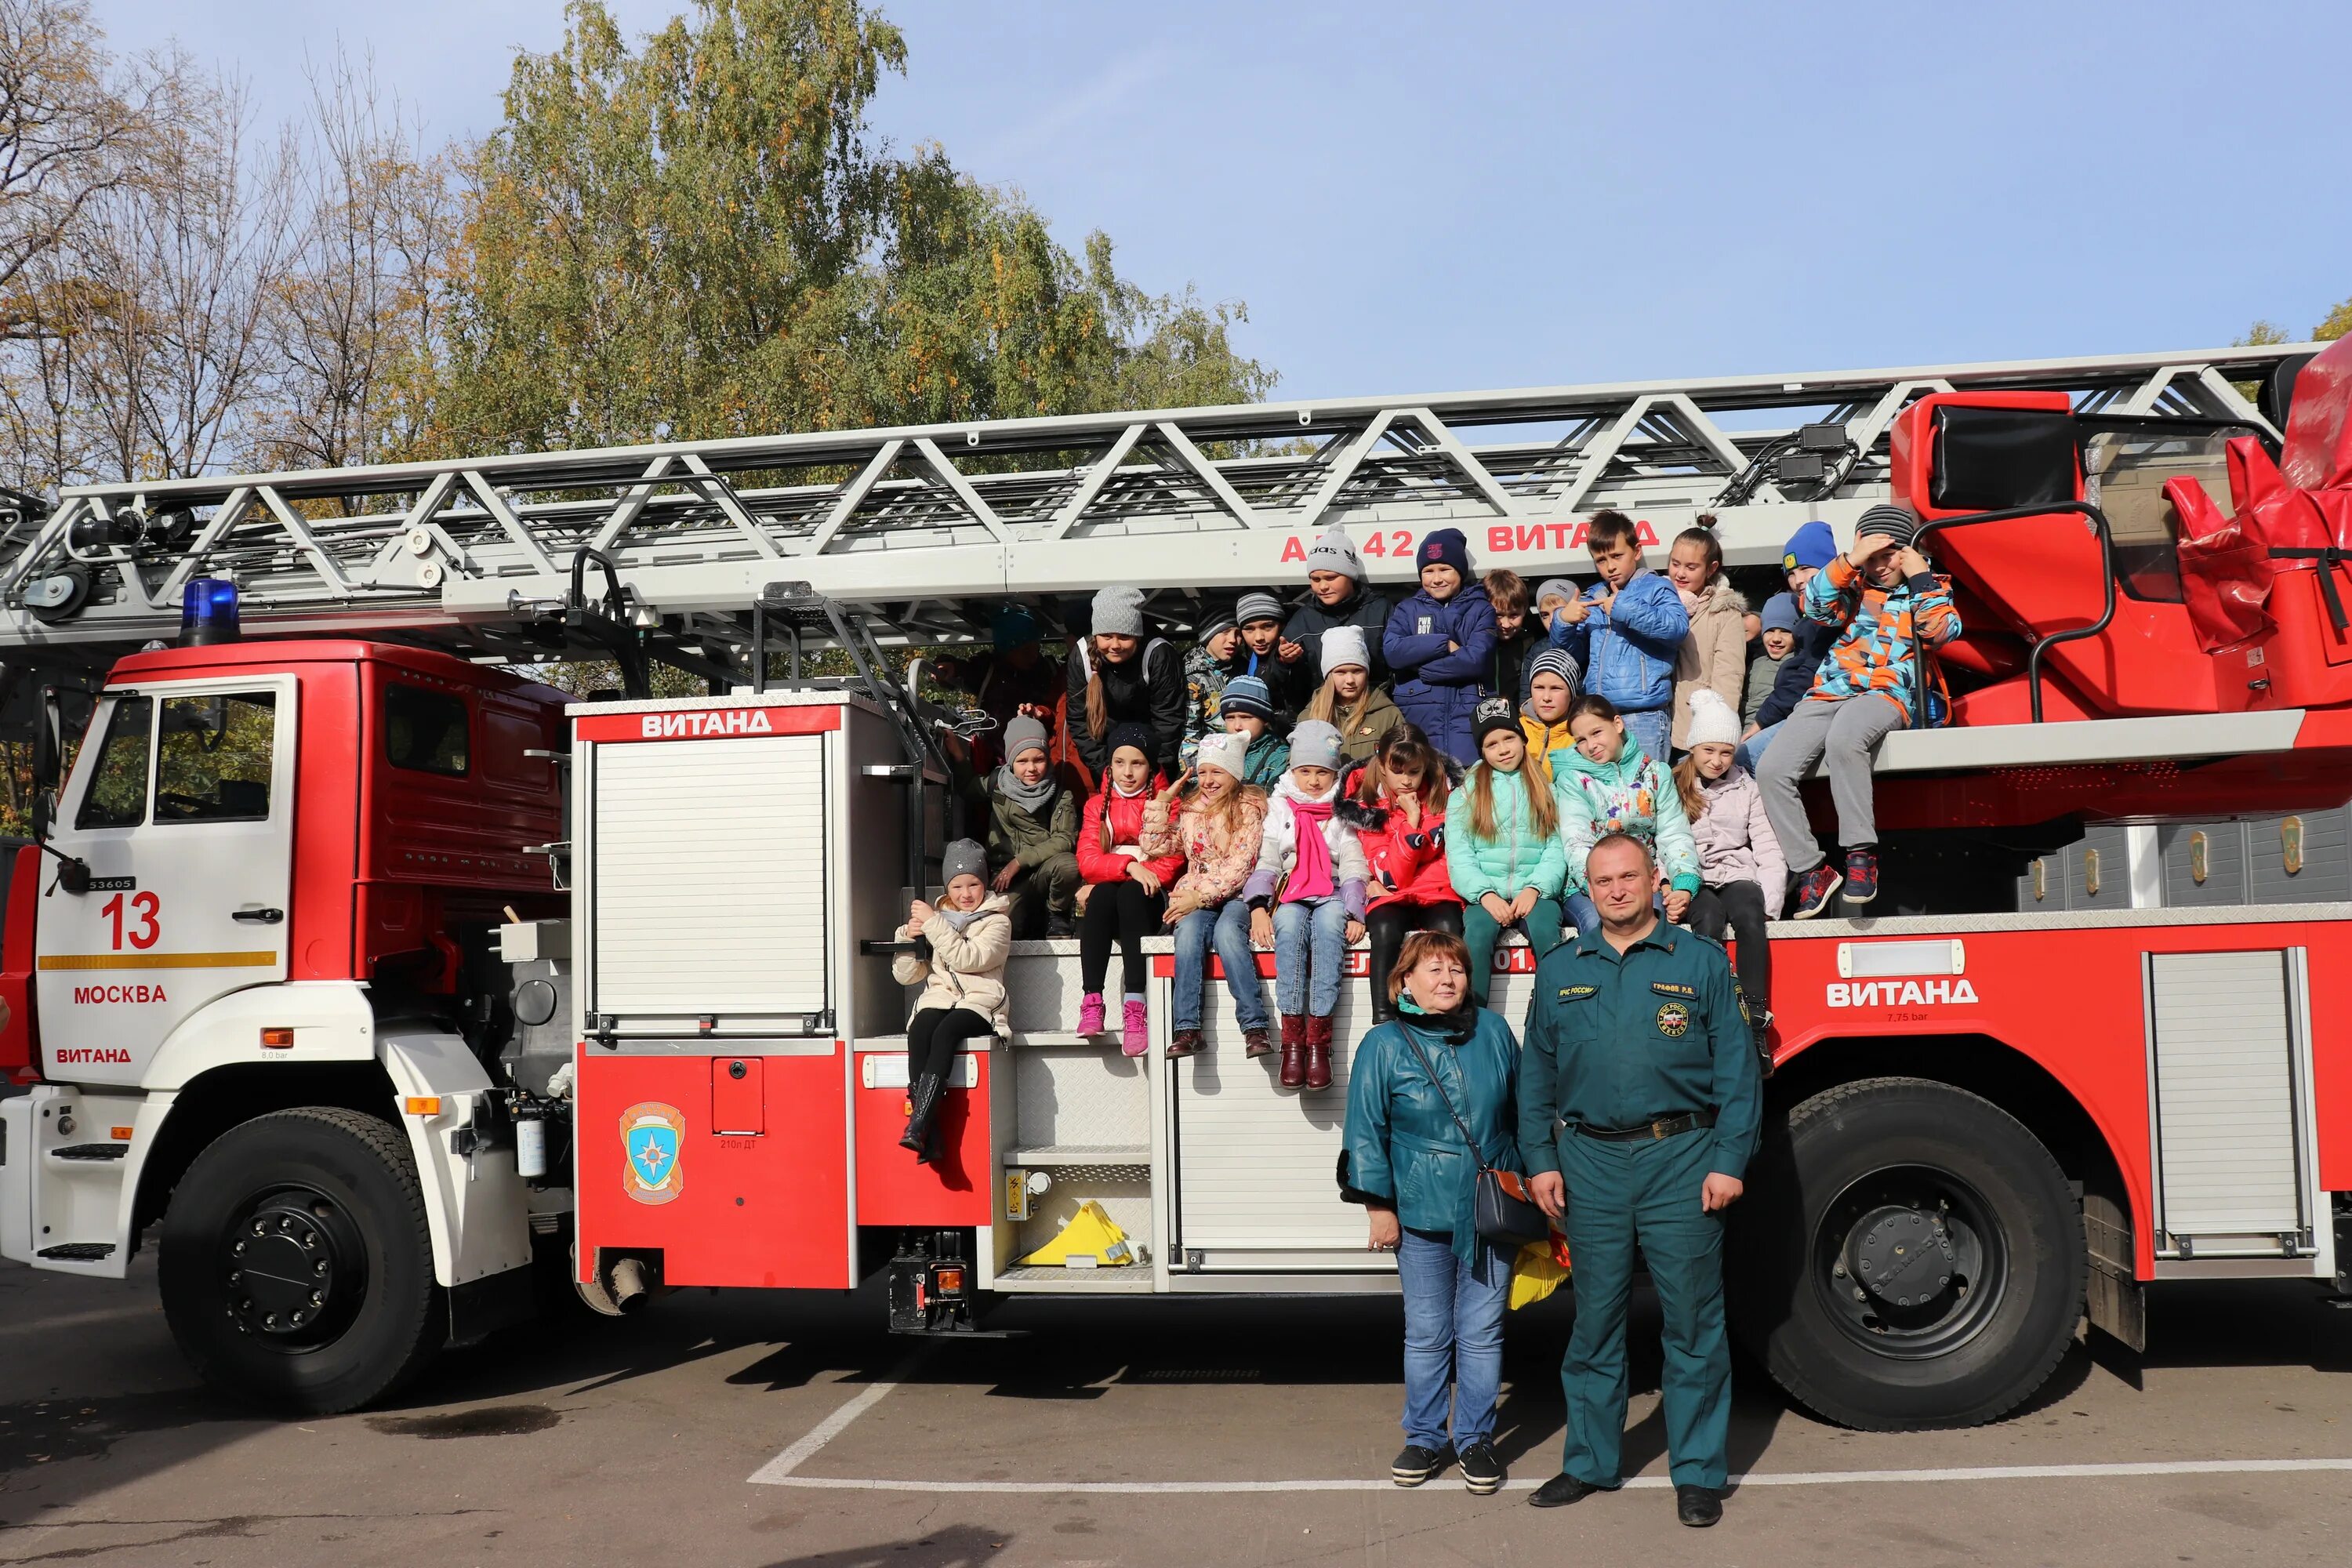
(1033, 833)
(1339, 592)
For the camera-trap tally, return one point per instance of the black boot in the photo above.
(922, 1109)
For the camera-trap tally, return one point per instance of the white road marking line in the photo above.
(777, 1474)
(778, 1471)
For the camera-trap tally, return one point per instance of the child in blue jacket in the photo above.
(1440, 644)
(1626, 632)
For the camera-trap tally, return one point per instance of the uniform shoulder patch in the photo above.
(1668, 989)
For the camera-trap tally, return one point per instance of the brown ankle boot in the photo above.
(1294, 1049)
(1319, 1052)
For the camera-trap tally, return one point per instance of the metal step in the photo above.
(78, 1251)
(1127, 1278)
(91, 1151)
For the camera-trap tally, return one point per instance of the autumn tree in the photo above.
(702, 237)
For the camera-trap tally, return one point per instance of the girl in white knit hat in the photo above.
(1348, 702)
(1740, 864)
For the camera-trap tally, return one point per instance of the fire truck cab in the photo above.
(254, 971)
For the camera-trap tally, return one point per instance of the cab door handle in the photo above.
(258, 917)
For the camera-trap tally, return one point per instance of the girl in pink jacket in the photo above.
(1739, 861)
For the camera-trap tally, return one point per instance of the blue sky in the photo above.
(1419, 198)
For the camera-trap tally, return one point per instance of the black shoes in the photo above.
(1415, 1464)
(1697, 1507)
(1561, 1490)
(1481, 1472)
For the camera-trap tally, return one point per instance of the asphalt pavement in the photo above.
(746, 1429)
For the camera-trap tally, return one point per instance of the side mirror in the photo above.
(48, 753)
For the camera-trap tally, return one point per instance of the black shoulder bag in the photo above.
(1502, 1211)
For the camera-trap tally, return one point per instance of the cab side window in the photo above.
(213, 763)
(117, 785)
(425, 730)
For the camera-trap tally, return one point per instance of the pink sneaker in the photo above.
(1135, 1038)
(1090, 1014)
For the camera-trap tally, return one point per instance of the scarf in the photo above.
(958, 920)
(1130, 849)
(1455, 1026)
(1031, 798)
(1310, 873)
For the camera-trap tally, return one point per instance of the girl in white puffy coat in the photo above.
(1307, 900)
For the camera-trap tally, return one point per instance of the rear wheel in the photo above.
(296, 1264)
(1914, 1258)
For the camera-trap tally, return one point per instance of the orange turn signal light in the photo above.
(121, 1134)
(277, 1039)
(424, 1105)
(950, 1282)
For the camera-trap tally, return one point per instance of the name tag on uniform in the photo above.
(1667, 988)
(1578, 992)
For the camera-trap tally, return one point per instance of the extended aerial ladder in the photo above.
(497, 555)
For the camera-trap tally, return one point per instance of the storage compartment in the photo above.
(2229, 1073)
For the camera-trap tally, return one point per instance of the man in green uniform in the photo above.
(1639, 1097)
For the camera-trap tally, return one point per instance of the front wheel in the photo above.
(1915, 1258)
(296, 1264)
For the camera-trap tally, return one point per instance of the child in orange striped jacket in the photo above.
(1893, 609)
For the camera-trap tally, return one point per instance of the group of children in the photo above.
(1307, 776)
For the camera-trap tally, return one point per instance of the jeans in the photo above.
(1309, 935)
(1481, 935)
(1751, 750)
(1845, 735)
(1225, 929)
(1653, 731)
(1453, 1335)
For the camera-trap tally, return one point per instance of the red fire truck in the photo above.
(349, 966)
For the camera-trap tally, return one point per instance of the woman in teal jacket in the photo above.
(1503, 845)
(1405, 1159)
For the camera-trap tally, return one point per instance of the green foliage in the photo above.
(702, 237)
(2338, 322)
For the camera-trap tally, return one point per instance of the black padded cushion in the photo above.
(1989, 459)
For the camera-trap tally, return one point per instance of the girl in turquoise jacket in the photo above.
(1503, 845)
(1608, 785)
(1404, 1157)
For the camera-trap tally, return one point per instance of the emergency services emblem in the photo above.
(650, 1135)
(1674, 1020)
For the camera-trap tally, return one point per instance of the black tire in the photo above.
(1905, 1186)
(339, 1305)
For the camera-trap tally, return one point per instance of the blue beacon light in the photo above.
(208, 611)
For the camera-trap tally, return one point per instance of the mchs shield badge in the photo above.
(651, 1133)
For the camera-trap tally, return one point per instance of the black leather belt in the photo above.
(1656, 1128)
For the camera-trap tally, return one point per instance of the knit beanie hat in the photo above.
(1712, 722)
(1220, 750)
(1445, 547)
(1494, 713)
(1892, 522)
(1257, 605)
(1211, 623)
(1554, 588)
(1554, 661)
(1812, 545)
(1118, 612)
(962, 858)
(1247, 694)
(1013, 627)
(1024, 734)
(1779, 612)
(1336, 553)
(1346, 645)
(1314, 745)
(1127, 735)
